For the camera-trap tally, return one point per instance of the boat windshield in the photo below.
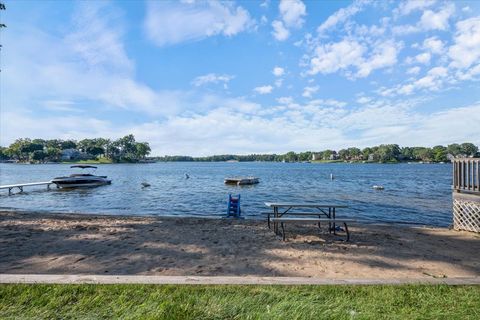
(81, 166)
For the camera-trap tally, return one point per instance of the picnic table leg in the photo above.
(275, 224)
(329, 217)
(268, 220)
(283, 231)
(346, 230)
(334, 226)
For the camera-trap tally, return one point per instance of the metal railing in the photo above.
(466, 175)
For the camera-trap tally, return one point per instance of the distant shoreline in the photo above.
(93, 162)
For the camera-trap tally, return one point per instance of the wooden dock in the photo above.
(466, 194)
(242, 181)
(20, 186)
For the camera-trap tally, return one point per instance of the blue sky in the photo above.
(209, 77)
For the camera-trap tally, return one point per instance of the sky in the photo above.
(209, 77)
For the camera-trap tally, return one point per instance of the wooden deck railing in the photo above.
(466, 175)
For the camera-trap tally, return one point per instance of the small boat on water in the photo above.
(241, 181)
(81, 180)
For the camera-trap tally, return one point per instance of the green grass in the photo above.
(98, 161)
(326, 161)
(238, 302)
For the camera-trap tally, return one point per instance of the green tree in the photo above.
(469, 149)
(68, 144)
(454, 149)
(424, 154)
(439, 154)
(326, 155)
(387, 152)
(343, 154)
(54, 153)
(291, 156)
(4, 153)
(355, 153)
(38, 155)
(142, 149)
(366, 152)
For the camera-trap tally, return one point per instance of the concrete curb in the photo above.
(235, 280)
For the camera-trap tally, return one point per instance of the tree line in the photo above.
(125, 149)
(383, 153)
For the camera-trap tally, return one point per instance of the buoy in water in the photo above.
(378, 187)
(331, 176)
(187, 176)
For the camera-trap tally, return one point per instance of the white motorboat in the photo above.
(81, 180)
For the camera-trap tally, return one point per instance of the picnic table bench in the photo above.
(285, 213)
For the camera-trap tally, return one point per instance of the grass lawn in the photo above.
(98, 161)
(238, 302)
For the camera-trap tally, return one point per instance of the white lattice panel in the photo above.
(466, 215)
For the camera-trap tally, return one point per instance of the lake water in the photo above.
(413, 193)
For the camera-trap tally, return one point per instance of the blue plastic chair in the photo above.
(233, 207)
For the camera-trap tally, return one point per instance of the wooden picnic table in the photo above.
(288, 208)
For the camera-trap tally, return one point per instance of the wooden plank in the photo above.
(303, 205)
(467, 177)
(455, 174)
(289, 219)
(478, 176)
(26, 184)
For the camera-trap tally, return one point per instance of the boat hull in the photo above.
(81, 183)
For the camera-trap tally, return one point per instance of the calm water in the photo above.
(413, 193)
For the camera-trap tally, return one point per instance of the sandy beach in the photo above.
(54, 243)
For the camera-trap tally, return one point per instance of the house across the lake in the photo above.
(74, 154)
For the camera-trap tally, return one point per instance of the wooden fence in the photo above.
(466, 175)
(466, 194)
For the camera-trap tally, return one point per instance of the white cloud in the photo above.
(332, 57)
(413, 70)
(410, 6)
(96, 37)
(285, 100)
(278, 82)
(406, 29)
(383, 55)
(342, 55)
(466, 48)
(169, 23)
(291, 16)
(431, 20)
(341, 16)
(292, 12)
(423, 58)
(432, 81)
(279, 31)
(434, 45)
(309, 91)
(212, 78)
(278, 71)
(263, 89)
(364, 100)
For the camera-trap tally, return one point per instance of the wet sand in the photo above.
(41, 243)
